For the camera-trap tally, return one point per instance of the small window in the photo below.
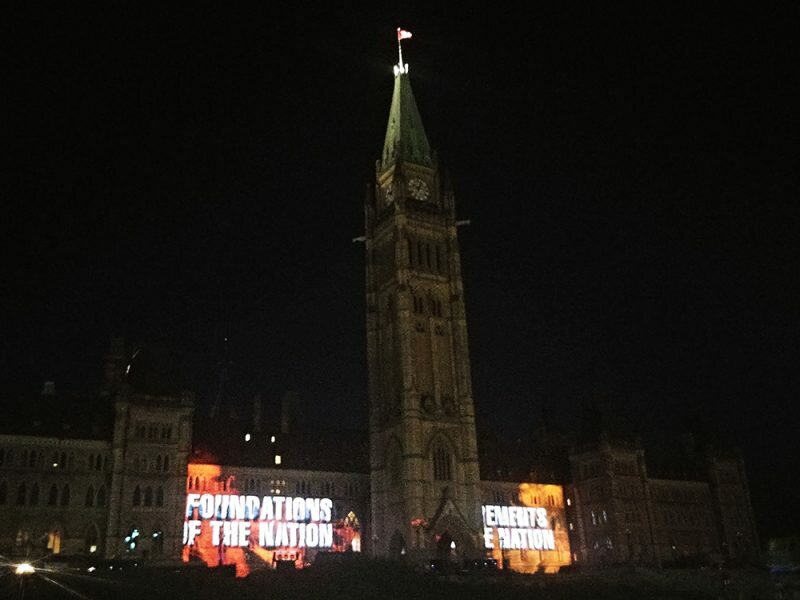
(89, 497)
(160, 496)
(52, 497)
(148, 496)
(137, 496)
(65, 496)
(34, 499)
(22, 492)
(3, 492)
(101, 496)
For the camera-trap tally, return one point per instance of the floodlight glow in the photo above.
(25, 569)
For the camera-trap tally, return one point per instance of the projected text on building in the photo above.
(265, 521)
(517, 528)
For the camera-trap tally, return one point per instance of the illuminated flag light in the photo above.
(402, 34)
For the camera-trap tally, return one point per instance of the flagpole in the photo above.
(400, 50)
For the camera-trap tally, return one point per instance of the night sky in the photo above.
(182, 177)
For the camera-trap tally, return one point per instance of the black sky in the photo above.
(629, 177)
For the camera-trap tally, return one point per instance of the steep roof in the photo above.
(405, 134)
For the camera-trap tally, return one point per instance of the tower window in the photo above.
(442, 469)
(395, 469)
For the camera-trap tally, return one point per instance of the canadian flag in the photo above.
(402, 34)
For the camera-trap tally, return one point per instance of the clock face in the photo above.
(418, 189)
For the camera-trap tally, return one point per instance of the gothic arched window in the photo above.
(52, 497)
(395, 467)
(137, 496)
(442, 466)
(101, 496)
(148, 496)
(89, 497)
(34, 499)
(65, 496)
(21, 493)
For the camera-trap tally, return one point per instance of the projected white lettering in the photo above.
(268, 521)
(517, 528)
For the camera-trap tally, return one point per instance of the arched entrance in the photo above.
(397, 546)
(446, 548)
(453, 540)
(92, 540)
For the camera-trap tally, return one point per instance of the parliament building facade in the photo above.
(132, 474)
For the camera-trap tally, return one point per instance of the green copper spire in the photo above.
(405, 135)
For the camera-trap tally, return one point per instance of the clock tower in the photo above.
(423, 449)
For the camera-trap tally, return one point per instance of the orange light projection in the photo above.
(224, 527)
(531, 535)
